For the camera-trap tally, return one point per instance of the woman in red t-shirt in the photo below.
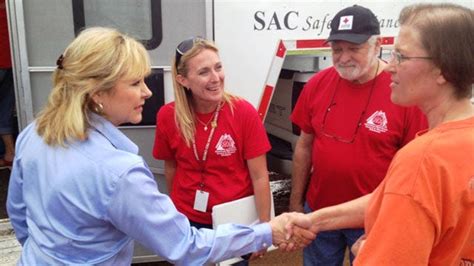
(213, 143)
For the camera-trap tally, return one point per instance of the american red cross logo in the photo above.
(345, 22)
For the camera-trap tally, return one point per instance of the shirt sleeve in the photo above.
(139, 210)
(16, 206)
(403, 234)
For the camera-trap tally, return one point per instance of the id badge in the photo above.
(200, 201)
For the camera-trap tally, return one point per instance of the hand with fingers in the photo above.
(291, 231)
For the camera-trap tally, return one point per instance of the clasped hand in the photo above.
(292, 231)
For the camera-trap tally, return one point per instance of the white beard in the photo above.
(353, 71)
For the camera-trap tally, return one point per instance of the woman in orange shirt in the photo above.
(423, 211)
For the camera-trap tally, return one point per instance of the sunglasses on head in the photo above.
(184, 47)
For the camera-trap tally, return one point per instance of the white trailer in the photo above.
(256, 38)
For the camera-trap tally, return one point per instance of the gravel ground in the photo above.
(9, 247)
(281, 188)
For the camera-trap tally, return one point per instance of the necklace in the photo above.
(213, 126)
(206, 124)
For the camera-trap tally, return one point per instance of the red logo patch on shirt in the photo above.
(377, 122)
(225, 146)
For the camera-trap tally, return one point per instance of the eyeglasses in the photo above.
(184, 47)
(324, 131)
(400, 57)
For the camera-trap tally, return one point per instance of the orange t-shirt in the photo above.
(423, 211)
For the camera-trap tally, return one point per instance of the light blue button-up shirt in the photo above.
(85, 204)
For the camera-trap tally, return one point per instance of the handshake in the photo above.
(292, 231)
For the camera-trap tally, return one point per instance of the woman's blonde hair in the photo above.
(92, 63)
(184, 112)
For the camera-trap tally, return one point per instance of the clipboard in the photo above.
(240, 211)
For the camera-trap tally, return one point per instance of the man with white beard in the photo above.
(350, 130)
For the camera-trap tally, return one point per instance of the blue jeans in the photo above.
(7, 102)
(329, 247)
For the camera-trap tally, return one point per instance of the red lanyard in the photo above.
(206, 148)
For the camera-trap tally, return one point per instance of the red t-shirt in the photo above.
(344, 171)
(5, 57)
(239, 136)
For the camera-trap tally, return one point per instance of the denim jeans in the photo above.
(7, 101)
(329, 247)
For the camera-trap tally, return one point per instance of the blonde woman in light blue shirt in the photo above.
(79, 193)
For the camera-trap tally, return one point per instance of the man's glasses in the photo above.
(184, 47)
(332, 104)
(400, 58)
